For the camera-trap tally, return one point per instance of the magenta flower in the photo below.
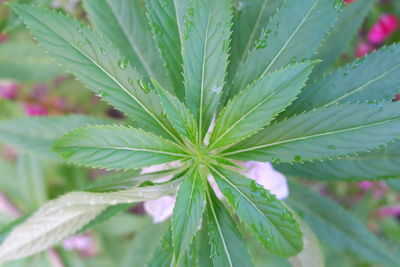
(391, 211)
(382, 29)
(262, 172)
(8, 89)
(35, 110)
(363, 49)
(348, 1)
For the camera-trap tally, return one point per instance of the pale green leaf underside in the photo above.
(323, 133)
(97, 64)
(346, 26)
(256, 106)
(167, 22)
(226, 244)
(337, 227)
(179, 115)
(37, 135)
(124, 23)
(66, 215)
(188, 211)
(116, 147)
(25, 62)
(205, 57)
(374, 77)
(285, 40)
(261, 212)
(378, 164)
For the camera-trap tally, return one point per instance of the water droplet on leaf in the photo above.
(123, 63)
(142, 84)
(297, 158)
(331, 147)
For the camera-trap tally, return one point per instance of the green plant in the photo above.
(248, 83)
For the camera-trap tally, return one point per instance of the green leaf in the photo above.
(167, 22)
(116, 147)
(143, 245)
(394, 184)
(374, 77)
(248, 21)
(311, 255)
(96, 63)
(60, 218)
(256, 106)
(37, 135)
(226, 244)
(180, 116)
(31, 181)
(124, 23)
(261, 212)
(188, 211)
(284, 40)
(205, 57)
(164, 254)
(337, 227)
(378, 164)
(346, 26)
(26, 62)
(323, 133)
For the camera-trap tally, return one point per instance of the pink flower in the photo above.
(382, 29)
(378, 189)
(84, 244)
(8, 89)
(160, 209)
(348, 1)
(262, 172)
(391, 211)
(35, 110)
(3, 37)
(363, 49)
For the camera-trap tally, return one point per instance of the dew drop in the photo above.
(276, 160)
(157, 29)
(142, 84)
(331, 147)
(216, 89)
(297, 158)
(240, 6)
(123, 63)
(188, 29)
(164, 114)
(79, 43)
(130, 81)
(293, 60)
(190, 11)
(102, 94)
(338, 4)
(103, 51)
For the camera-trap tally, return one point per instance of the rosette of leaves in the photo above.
(246, 64)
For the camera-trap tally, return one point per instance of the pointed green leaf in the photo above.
(60, 218)
(248, 21)
(226, 244)
(96, 63)
(167, 21)
(378, 164)
(323, 133)
(256, 106)
(164, 254)
(346, 26)
(116, 147)
(337, 227)
(188, 211)
(124, 23)
(286, 40)
(31, 181)
(37, 135)
(374, 77)
(179, 115)
(266, 216)
(205, 57)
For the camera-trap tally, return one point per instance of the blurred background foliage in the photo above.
(32, 84)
